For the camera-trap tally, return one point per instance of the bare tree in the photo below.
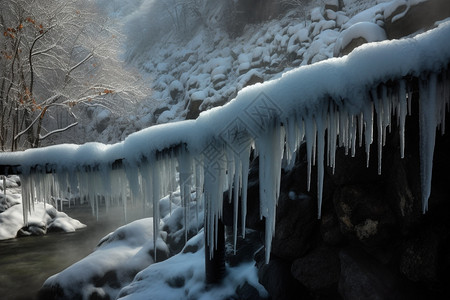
(57, 55)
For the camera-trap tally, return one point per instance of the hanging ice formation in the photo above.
(341, 102)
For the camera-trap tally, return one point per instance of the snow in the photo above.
(335, 89)
(39, 219)
(335, 98)
(370, 32)
(183, 277)
(122, 253)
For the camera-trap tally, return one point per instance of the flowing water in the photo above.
(25, 263)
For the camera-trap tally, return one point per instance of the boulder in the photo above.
(357, 35)
(332, 4)
(401, 20)
(363, 277)
(194, 105)
(364, 215)
(319, 270)
(277, 279)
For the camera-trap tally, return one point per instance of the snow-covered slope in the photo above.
(205, 67)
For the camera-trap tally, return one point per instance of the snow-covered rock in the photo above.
(118, 257)
(356, 35)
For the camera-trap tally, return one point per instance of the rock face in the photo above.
(406, 20)
(372, 242)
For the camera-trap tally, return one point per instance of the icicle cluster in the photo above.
(274, 129)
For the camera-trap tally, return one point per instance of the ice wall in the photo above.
(344, 102)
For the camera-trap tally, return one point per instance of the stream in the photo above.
(26, 262)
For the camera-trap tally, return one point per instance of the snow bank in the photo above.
(118, 257)
(183, 277)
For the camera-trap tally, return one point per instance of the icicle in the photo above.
(321, 121)
(198, 192)
(402, 115)
(333, 128)
(156, 185)
(230, 172)
(245, 160)
(380, 126)
(360, 128)
(353, 133)
(310, 132)
(368, 131)
(427, 122)
(291, 141)
(214, 162)
(133, 179)
(185, 169)
(237, 180)
(270, 156)
(386, 110)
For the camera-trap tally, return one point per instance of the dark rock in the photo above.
(190, 249)
(248, 292)
(319, 270)
(161, 254)
(296, 221)
(277, 279)
(109, 278)
(97, 295)
(332, 4)
(421, 16)
(193, 109)
(53, 292)
(363, 277)
(329, 229)
(160, 110)
(254, 78)
(175, 282)
(102, 124)
(33, 229)
(363, 214)
(355, 43)
(419, 260)
(245, 248)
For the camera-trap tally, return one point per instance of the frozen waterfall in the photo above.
(341, 102)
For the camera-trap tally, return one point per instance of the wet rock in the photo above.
(33, 229)
(319, 270)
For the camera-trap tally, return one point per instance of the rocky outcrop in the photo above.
(405, 19)
(372, 242)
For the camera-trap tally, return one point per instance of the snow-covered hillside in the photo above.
(205, 65)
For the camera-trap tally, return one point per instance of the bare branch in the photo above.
(42, 137)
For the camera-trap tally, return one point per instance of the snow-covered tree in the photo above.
(55, 56)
